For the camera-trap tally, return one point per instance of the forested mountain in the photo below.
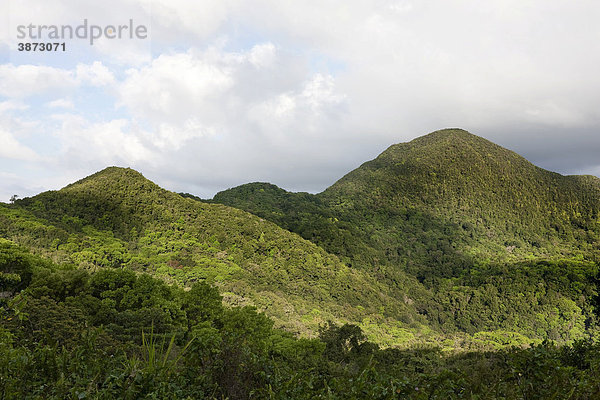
(116, 218)
(481, 228)
(491, 203)
(501, 202)
(440, 250)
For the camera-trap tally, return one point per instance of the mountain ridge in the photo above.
(412, 246)
(116, 218)
(463, 179)
(443, 209)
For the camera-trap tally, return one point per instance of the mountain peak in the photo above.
(110, 173)
(115, 182)
(444, 143)
(446, 151)
(449, 136)
(446, 133)
(454, 173)
(114, 198)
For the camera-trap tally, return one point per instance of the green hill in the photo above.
(492, 203)
(478, 225)
(504, 203)
(447, 237)
(118, 219)
(475, 271)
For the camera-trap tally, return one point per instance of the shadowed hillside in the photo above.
(445, 237)
(448, 267)
(445, 208)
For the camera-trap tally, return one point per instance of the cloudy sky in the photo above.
(296, 93)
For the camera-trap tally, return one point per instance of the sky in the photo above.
(297, 93)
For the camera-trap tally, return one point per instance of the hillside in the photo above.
(448, 267)
(478, 225)
(69, 334)
(448, 238)
(503, 201)
(116, 218)
(491, 202)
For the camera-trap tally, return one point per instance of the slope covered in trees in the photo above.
(492, 203)
(449, 267)
(118, 219)
(446, 239)
(66, 333)
(497, 242)
(507, 207)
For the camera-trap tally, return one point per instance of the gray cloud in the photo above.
(299, 93)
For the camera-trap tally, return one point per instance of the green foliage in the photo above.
(475, 271)
(16, 267)
(59, 349)
(476, 238)
(117, 219)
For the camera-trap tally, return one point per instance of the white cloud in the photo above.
(125, 53)
(262, 55)
(320, 92)
(100, 144)
(174, 87)
(94, 74)
(12, 105)
(26, 80)
(12, 149)
(168, 137)
(177, 19)
(302, 109)
(212, 93)
(61, 103)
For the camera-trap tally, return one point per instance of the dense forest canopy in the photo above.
(448, 267)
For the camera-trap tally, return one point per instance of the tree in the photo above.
(346, 344)
(202, 303)
(13, 198)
